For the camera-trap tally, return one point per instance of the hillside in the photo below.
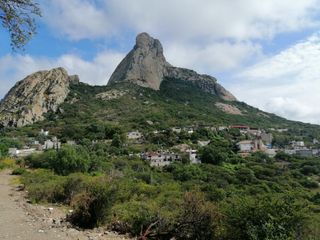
(131, 106)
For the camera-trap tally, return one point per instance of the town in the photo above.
(252, 140)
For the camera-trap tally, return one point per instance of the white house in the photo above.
(45, 133)
(51, 144)
(297, 144)
(14, 152)
(134, 135)
(176, 129)
(246, 146)
(193, 156)
(161, 159)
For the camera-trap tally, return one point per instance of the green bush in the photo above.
(44, 186)
(70, 159)
(18, 171)
(213, 155)
(92, 206)
(264, 218)
(199, 219)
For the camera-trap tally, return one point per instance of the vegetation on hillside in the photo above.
(226, 197)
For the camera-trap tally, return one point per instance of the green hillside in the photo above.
(103, 178)
(178, 103)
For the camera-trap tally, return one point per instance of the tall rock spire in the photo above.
(145, 65)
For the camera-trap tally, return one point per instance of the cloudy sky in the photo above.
(266, 52)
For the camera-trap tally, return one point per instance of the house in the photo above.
(290, 151)
(189, 130)
(134, 135)
(176, 129)
(315, 141)
(44, 133)
(249, 146)
(252, 131)
(245, 146)
(316, 152)
(280, 130)
(304, 152)
(221, 128)
(52, 144)
(297, 144)
(160, 159)
(193, 156)
(14, 152)
(267, 138)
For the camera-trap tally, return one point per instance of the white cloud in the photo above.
(95, 72)
(180, 19)
(77, 19)
(212, 58)
(287, 84)
(205, 35)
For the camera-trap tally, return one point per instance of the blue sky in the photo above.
(265, 52)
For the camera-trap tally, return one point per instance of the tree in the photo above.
(265, 218)
(70, 159)
(213, 155)
(18, 17)
(117, 141)
(199, 219)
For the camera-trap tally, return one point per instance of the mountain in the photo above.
(146, 66)
(145, 92)
(37, 94)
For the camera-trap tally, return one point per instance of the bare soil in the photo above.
(22, 220)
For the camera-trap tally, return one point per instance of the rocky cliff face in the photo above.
(37, 94)
(146, 66)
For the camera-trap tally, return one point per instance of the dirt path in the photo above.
(20, 220)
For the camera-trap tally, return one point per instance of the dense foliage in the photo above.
(103, 179)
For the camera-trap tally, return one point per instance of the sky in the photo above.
(267, 53)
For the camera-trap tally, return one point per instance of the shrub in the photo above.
(70, 159)
(7, 163)
(199, 219)
(134, 215)
(264, 218)
(91, 207)
(18, 171)
(44, 186)
(212, 155)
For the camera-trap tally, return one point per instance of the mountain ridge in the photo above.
(145, 65)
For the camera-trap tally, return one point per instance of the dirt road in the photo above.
(20, 220)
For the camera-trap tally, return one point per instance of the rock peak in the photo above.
(35, 95)
(145, 65)
(144, 39)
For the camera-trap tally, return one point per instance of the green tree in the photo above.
(264, 218)
(117, 141)
(213, 155)
(70, 159)
(199, 219)
(18, 17)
